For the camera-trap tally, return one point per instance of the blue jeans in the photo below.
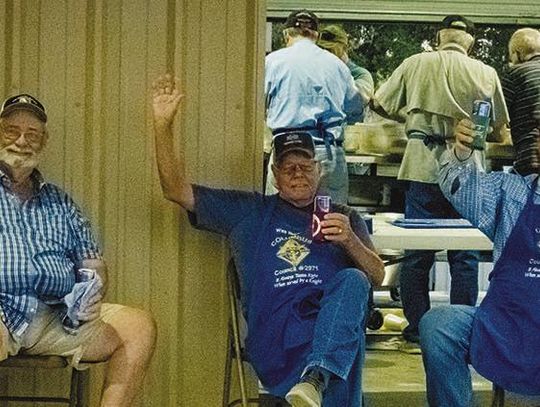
(426, 201)
(338, 344)
(445, 334)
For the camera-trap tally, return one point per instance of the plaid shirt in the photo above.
(490, 201)
(41, 241)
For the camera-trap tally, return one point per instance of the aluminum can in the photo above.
(321, 206)
(480, 117)
(83, 274)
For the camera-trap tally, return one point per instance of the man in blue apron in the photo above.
(500, 337)
(305, 301)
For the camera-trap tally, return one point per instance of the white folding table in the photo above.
(388, 236)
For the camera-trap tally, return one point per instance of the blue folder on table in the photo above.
(432, 223)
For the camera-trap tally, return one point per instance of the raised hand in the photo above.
(165, 99)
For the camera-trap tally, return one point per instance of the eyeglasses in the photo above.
(11, 134)
(290, 169)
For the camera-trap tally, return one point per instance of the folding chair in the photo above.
(77, 386)
(236, 351)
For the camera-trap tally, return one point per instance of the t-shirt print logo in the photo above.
(293, 252)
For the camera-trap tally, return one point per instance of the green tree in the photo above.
(381, 47)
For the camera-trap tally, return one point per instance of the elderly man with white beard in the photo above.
(45, 241)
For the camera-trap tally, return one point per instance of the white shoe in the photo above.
(304, 394)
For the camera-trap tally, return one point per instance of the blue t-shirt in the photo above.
(241, 216)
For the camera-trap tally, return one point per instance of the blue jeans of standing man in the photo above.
(426, 201)
(445, 334)
(338, 344)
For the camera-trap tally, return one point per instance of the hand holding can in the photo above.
(480, 118)
(321, 206)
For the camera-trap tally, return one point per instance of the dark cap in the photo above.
(333, 38)
(332, 34)
(287, 142)
(303, 19)
(458, 23)
(23, 102)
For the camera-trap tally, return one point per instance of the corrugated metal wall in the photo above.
(520, 12)
(91, 62)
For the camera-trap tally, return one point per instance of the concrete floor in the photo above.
(394, 378)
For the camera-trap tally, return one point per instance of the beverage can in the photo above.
(321, 206)
(84, 274)
(480, 117)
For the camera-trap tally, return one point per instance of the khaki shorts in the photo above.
(46, 336)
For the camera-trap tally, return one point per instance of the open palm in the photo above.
(165, 99)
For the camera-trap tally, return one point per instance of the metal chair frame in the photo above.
(77, 381)
(235, 348)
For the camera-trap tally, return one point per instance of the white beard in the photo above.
(17, 162)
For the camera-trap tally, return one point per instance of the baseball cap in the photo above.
(23, 101)
(287, 142)
(334, 39)
(332, 34)
(303, 19)
(459, 23)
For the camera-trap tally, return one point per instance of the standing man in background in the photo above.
(430, 92)
(334, 39)
(521, 86)
(311, 90)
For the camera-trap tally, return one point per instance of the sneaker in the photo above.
(304, 394)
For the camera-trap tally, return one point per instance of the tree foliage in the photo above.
(381, 47)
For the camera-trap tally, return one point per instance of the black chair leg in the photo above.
(498, 396)
(228, 372)
(73, 389)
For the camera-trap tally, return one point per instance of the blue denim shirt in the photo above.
(490, 201)
(305, 84)
(41, 240)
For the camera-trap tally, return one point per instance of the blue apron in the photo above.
(505, 343)
(285, 296)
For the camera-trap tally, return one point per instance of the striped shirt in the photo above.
(490, 201)
(521, 87)
(41, 241)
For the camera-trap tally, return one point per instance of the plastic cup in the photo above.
(394, 323)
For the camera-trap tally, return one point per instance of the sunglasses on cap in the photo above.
(327, 36)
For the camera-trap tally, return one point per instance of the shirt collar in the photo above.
(6, 178)
(453, 47)
(303, 40)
